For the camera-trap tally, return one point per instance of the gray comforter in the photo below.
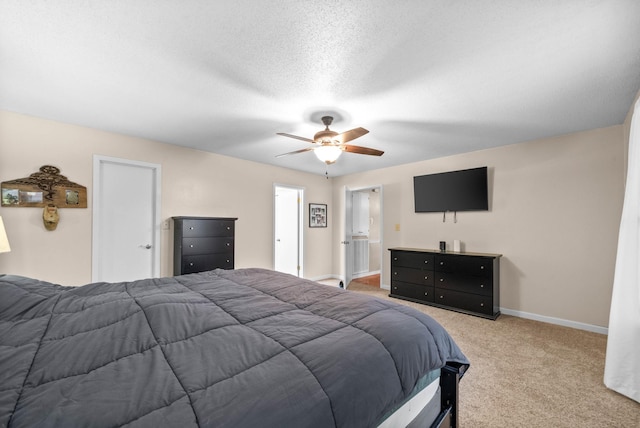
(243, 348)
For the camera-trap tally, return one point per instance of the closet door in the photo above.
(288, 230)
(126, 220)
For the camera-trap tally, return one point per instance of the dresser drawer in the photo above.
(414, 276)
(200, 263)
(415, 260)
(192, 246)
(466, 301)
(404, 289)
(465, 283)
(412, 291)
(202, 228)
(425, 294)
(478, 266)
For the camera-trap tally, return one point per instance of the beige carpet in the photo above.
(529, 374)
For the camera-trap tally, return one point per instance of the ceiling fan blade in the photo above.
(296, 137)
(296, 152)
(361, 150)
(351, 134)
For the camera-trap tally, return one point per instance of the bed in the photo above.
(223, 348)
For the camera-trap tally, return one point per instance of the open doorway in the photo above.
(287, 233)
(363, 235)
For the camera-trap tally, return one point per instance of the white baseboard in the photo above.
(364, 274)
(323, 277)
(320, 278)
(340, 277)
(557, 321)
(542, 318)
(527, 315)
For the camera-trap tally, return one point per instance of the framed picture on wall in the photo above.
(317, 215)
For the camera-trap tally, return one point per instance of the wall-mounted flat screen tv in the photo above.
(464, 190)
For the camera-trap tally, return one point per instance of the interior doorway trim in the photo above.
(348, 211)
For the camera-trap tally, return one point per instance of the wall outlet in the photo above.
(165, 225)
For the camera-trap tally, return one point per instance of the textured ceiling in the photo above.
(426, 78)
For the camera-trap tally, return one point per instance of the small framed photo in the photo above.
(317, 215)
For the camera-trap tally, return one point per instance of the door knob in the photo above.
(148, 246)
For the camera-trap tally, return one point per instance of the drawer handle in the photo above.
(481, 267)
(441, 263)
(228, 244)
(442, 297)
(441, 279)
(228, 261)
(426, 293)
(481, 285)
(395, 258)
(481, 304)
(395, 273)
(191, 228)
(395, 288)
(190, 264)
(228, 227)
(426, 277)
(191, 246)
(426, 262)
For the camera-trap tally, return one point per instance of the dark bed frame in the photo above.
(450, 376)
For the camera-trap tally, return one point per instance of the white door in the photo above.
(348, 232)
(126, 220)
(288, 229)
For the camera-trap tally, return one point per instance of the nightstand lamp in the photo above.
(4, 241)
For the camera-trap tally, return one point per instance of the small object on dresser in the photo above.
(456, 245)
(443, 246)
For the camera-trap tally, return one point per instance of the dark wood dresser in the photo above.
(202, 243)
(463, 282)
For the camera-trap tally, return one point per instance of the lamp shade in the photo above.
(328, 153)
(4, 241)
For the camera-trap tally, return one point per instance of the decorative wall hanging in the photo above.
(317, 215)
(46, 189)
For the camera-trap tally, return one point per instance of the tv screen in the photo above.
(464, 190)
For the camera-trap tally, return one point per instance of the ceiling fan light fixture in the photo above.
(328, 153)
(329, 145)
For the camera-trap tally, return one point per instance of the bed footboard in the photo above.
(449, 379)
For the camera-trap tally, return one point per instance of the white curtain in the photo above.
(622, 365)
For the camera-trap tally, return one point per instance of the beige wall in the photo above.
(193, 183)
(554, 211)
(555, 208)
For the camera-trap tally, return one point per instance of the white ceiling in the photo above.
(426, 78)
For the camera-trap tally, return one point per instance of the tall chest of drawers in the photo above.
(202, 243)
(464, 282)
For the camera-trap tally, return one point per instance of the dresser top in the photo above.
(204, 218)
(453, 253)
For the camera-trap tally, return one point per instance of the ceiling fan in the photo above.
(329, 145)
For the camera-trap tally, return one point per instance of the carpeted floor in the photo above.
(529, 374)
